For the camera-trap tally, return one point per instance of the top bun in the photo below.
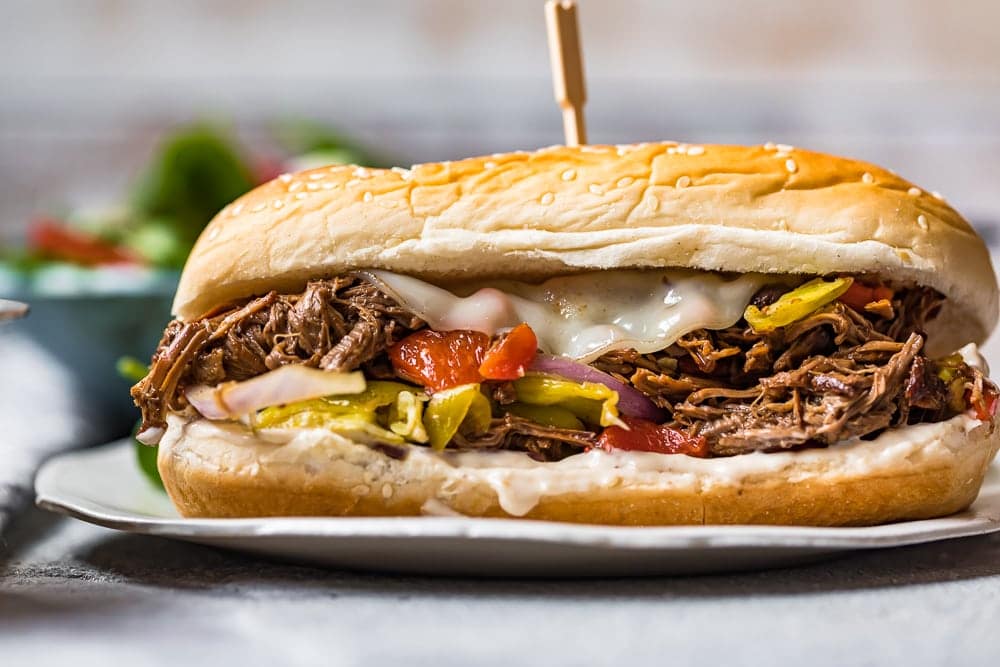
(771, 208)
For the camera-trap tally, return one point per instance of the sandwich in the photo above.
(650, 334)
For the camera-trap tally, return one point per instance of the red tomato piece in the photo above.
(645, 436)
(58, 241)
(440, 360)
(510, 358)
(859, 295)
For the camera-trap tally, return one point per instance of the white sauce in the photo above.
(585, 315)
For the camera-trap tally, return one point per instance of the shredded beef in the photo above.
(835, 374)
(339, 324)
(541, 442)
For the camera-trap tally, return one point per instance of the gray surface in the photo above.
(40, 414)
(75, 594)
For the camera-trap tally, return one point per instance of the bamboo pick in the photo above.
(567, 67)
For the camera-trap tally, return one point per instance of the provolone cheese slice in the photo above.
(585, 315)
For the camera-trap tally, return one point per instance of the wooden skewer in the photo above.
(567, 67)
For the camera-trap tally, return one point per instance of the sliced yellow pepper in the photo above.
(796, 305)
(406, 416)
(592, 402)
(451, 409)
(362, 417)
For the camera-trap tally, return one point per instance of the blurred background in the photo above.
(95, 91)
(90, 86)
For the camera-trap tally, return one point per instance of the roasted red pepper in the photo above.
(440, 359)
(57, 241)
(645, 436)
(510, 357)
(859, 295)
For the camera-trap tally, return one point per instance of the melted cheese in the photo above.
(585, 315)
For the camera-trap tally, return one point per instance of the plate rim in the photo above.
(968, 523)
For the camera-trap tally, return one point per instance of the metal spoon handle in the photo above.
(12, 310)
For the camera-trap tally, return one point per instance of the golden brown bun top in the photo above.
(529, 215)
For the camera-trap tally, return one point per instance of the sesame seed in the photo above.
(922, 221)
(696, 150)
(672, 150)
(625, 182)
(354, 181)
(784, 148)
(361, 172)
(399, 170)
(327, 185)
(213, 233)
(569, 174)
(867, 178)
(316, 177)
(791, 166)
(596, 189)
(490, 164)
(387, 490)
(312, 186)
(258, 207)
(547, 198)
(683, 181)
(236, 210)
(278, 203)
(769, 146)
(653, 203)
(301, 195)
(284, 178)
(294, 186)
(937, 195)
(914, 192)
(367, 196)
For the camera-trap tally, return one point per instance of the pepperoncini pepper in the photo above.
(796, 305)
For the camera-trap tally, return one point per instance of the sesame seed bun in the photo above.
(213, 469)
(773, 209)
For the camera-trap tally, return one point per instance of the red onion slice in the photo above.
(631, 401)
(287, 384)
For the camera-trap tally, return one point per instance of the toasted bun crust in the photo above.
(928, 470)
(531, 215)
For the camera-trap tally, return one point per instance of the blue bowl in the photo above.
(87, 319)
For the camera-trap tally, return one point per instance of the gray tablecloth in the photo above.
(39, 416)
(74, 594)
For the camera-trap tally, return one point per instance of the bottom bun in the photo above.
(213, 469)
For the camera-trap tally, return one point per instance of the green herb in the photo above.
(195, 174)
(145, 456)
(131, 368)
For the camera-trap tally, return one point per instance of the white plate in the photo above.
(104, 486)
